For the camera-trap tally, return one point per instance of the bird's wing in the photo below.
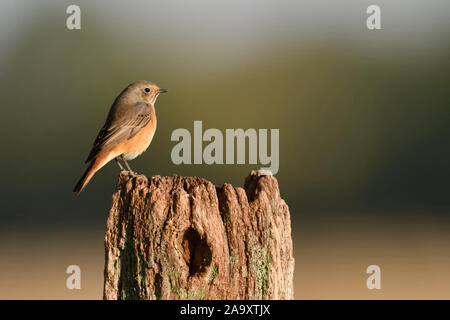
(119, 130)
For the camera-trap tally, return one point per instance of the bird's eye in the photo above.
(147, 89)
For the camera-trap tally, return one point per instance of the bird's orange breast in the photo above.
(133, 147)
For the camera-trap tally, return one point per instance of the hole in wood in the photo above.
(196, 252)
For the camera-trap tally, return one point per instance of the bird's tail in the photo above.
(93, 167)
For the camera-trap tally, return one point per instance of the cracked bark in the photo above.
(183, 238)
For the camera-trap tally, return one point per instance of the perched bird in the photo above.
(128, 130)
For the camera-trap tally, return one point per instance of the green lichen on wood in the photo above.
(141, 275)
(260, 263)
(157, 294)
(213, 273)
(232, 262)
(122, 244)
(171, 275)
(129, 274)
(152, 259)
(181, 292)
(196, 294)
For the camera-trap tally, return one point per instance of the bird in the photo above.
(128, 129)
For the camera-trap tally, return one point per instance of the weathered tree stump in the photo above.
(183, 238)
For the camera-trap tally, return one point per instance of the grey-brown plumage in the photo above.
(116, 130)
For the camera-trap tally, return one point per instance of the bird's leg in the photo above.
(127, 165)
(118, 163)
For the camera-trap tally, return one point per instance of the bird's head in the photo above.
(143, 91)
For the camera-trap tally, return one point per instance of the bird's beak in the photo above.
(162, 90)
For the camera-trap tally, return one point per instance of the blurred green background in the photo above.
(363, 118)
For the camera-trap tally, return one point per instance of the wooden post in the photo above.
(183, 238)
